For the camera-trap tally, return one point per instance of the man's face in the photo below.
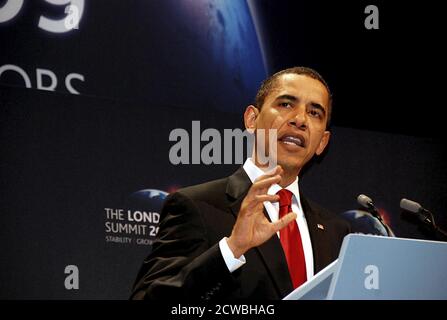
(298, 108)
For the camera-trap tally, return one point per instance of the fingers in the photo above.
(284, 221)
(275, 171)
(266, 197)
(255, 205)
(258, 192)
(266, 180)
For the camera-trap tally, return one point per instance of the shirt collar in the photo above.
(254, 172)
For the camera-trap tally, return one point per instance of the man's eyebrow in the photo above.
(286, 97)
(293, 98)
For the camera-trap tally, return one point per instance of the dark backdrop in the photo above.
(149, 67)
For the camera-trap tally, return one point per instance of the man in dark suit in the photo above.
(253, 234)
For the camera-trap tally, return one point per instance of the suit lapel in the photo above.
(273, 256)
(315, 224)
(271, 252)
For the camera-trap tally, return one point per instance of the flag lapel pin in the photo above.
(320, 226)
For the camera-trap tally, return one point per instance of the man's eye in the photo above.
(315, 113)
(285, 104)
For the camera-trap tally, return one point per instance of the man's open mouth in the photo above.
(295, 139)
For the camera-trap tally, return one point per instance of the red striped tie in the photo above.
(291, 241)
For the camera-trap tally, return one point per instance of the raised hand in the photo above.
(252, 228)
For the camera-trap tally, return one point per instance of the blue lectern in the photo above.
(381, 268)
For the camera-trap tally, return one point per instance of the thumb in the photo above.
(284, 221)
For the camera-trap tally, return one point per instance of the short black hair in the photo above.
(270, 83)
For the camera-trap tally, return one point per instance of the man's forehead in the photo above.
(299, 81)
(300, 86)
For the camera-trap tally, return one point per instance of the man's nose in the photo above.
(298, 118)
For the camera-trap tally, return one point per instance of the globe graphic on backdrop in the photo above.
(209, 52)
(147, 199)
(363, 222)
(195, 54)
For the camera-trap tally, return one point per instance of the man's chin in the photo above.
(290, 165)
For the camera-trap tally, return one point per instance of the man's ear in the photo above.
(250, 115)
(323, 143)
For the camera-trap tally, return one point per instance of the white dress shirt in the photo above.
(272, 209)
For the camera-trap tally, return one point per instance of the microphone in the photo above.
(421, 213)
(424, 217)
(368, 204)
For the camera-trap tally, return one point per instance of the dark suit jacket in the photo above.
(186, 262)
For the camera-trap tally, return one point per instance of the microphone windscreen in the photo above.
(364, 201)
(410, 205)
